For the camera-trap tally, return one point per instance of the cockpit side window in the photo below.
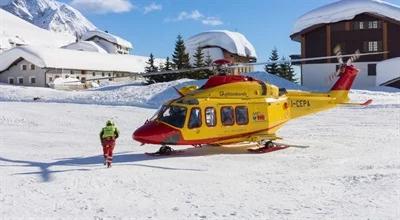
(211, 119)
(173, 115)
(195, 118)
(227, 115)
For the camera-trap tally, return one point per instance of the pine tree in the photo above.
(208, 62)
(167, 65)
(180, 58)
(198, 63)
(151, 68)
(286, 70)
(273, 67)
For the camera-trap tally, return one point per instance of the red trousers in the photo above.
(108, 147)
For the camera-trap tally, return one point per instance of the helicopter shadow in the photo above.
(48, 169)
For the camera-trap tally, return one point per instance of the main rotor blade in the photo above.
(305, 59)
(147, 74)
(177, 71)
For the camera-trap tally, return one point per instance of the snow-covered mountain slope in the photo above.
(51, 167)
(51, 15)
(15, 31)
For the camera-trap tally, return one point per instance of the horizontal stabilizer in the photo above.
(369, 101)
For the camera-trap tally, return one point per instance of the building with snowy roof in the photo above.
(38, 66)
(367, 25)
(109, 42)
(223, 44)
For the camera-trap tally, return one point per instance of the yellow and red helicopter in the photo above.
(231, 109)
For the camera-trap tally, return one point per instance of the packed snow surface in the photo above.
(51, 15)
(15, 31)
(233, 42)
(51, 164)
(346, 10)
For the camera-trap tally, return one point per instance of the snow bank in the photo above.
(133, 93)
(346, 10)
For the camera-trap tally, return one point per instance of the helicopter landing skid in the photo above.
(165, 151)
(269, 146)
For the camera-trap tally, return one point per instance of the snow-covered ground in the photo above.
(51, 164)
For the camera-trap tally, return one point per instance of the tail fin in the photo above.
(340, 89)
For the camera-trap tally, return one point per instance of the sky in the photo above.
(153, 26)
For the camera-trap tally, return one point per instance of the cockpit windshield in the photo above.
(173, 115)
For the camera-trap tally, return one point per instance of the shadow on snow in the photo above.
(93, 162)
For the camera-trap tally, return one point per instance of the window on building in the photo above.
(102, 74)
(24, 67)
(371, 69)
(195, 118)
(242, 117)
(32, 80)
(50, 79)
(94, 74)
(211, 119)
(227, 115)
(373, 25)
(83, 79)
(20, 80)
(372, 46)
(32, 67)
(109, 74)
(10, 80)
(358, 25)
(66, 76)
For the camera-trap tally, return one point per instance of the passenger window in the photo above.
(242, 117)
(211, 120)
(227, 115)
(195, 118)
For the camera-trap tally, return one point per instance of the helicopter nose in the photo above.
(154, 132)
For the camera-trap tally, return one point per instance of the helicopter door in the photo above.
(192, 132)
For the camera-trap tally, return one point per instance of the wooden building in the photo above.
(371, 28)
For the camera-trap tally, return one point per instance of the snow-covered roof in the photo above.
(233, 42)
(109, 37)
(345, 10)
(387, 70)
(85, 46)
(72, 59)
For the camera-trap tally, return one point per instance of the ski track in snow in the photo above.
(51, 164)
